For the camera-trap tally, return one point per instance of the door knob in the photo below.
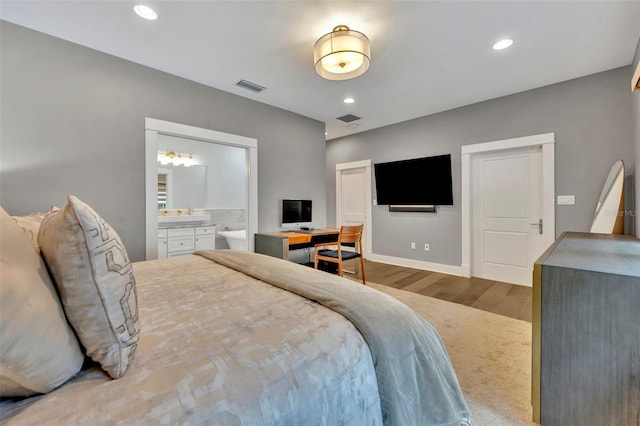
(539, 223)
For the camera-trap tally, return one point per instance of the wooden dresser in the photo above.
(586, 331)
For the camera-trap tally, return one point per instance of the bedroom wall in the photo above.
(73, 123)
(591, 117)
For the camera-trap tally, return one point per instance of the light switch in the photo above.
(566, 200)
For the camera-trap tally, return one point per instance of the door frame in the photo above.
(366, 164)
(153, 127)
(547, 142)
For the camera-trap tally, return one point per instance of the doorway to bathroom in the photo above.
(193, 172)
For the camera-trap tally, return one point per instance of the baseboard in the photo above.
(466, 270)
(418, 264)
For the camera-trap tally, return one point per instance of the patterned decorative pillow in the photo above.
(90, 266)
(38, 349)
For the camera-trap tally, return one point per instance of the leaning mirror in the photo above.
(609, 214)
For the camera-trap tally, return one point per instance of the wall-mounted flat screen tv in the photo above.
(415, 182)
(296, 213)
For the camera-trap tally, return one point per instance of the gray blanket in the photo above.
(416, 381)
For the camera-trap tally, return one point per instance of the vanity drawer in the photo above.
(180, 232)
(162, 233)
(179, 253)
(181, 244)
(205, 230)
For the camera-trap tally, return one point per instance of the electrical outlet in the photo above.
(413, 245)
(426, 247)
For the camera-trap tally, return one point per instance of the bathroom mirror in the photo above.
(609, 214)
(181, 187)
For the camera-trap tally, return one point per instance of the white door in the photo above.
(353, 198)
(507, 210)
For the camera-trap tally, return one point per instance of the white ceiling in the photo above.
(427, 56)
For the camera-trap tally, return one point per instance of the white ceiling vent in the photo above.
(246, 84)
(348, 118)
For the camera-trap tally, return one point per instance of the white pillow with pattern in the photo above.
(91, 269)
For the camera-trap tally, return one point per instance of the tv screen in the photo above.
(296, 211)
(419, 181)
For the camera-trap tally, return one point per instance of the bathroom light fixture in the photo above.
(342, 54)
(502, 44)
(145, 12)
(175, 158)
(348, 100)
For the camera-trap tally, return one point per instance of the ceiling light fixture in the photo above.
(342, 54)
(145, 12)
(349, 100)
(502, 44)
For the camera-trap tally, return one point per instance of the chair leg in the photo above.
(362, 268)
(315, 263)
(340, 268)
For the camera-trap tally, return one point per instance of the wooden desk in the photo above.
(278, 244)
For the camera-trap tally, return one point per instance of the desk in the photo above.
(279, 244)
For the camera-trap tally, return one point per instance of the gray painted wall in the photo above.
(73, 123)
(591, 118)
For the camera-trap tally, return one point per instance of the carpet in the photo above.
(491, 355)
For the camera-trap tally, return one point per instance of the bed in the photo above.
(236, 338)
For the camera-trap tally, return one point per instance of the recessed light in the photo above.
(349, 100)
(145, 12)
(503, 44)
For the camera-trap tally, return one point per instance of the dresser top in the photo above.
(611, 254)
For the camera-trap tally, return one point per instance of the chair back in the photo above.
(351, 234)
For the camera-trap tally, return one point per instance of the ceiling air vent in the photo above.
(348, 118)
(246, 84)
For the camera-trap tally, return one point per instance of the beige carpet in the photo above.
(490, 353)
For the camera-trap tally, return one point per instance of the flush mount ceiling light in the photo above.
(145, 12)
(502, 44)
(342, 54)
(348, 100)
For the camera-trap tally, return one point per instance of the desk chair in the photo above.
(349, 235)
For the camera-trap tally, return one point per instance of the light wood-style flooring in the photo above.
(492, 296)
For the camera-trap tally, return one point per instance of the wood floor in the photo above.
(493, 296)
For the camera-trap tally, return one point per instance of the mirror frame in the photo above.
(608, 216)
(153, 127)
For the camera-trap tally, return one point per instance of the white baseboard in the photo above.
(418, 264)
(466, 270)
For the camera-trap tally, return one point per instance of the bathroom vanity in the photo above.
(179, 240)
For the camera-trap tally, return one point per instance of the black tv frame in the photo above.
(436, 168)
